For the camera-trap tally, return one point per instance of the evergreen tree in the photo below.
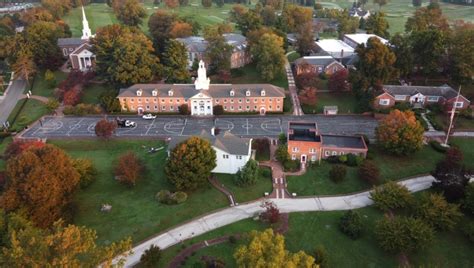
(175, 63)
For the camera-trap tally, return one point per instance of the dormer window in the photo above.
(154, 93)
(139, 93)
(170, 93)
(232, 93)
(247, 93)
(262, 93)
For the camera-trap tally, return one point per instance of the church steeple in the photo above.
(202, 81)
(86, 31)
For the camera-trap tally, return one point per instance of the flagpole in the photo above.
(453, 111)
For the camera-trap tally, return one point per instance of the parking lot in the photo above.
(168, 126)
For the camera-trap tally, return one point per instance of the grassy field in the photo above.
(460, 123)
(42, 88)
(32, 111)
(98, 15)
(91, 93)
(467, 146)
(245, 194)
(345, 101)
(135, 212)
(250, 75)
(316, 180)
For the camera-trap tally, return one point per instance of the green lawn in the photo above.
(345, 101)
(42, 88)
(249, 75)
(91, 93)
(316, 179)
(460, 123)
(32, 111)
(98, 15)
(245, 194)
(135, 212)
(3, 145)
(467, 146)
(293, 56)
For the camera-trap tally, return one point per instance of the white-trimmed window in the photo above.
(217, 101)
(148, 107)
(156, 107)
(255, 100)
(240, 100)
(177, 100)
(231, 100)
(225, 108)
(247, 93)
(239, 157)
(225, 100)
(262, 93)
(248, 108)
(139, 100)
(326, 153)
(334, 153)
(171, 108)
(163, 108)
(154, 93)
(313, 158)
(295, 149)
(232, 93)
(247, 101)
(170, 93)
(163, 100)
(132, 100)
(293, 157)
(64, 52)
(384, 102)
(240, 108)
(433, 98)
(320, 69)
(147, 100)
(225, 156)
(312, 150)
(458, 104)
(139, 92)
(232, 108)
(400, 97)
(155, 100)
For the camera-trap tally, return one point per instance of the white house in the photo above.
(232, 152)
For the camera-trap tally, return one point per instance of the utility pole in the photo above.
(453, 111)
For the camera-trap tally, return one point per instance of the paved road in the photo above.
(293, 91)
(15, 92)
(167, 126)
(233, 214)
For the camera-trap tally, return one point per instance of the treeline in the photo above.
(460, 2)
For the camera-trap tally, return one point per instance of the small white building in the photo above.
(354, 40)
(232, 152)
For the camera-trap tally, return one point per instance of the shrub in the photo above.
(184, 109)
(232, 239)
(150, 257)
(351, 224)
(337, 173)
(342, 159)
(469, 231)
(321, 257)
(179, 197)
(369, 172)
(108, 100)
(468, 202)
(262, 148)
(50, 78)
(282, 138)
(82, 109)
(129, 168)
(52, 104)
(291, 165)
(3, 179)
(218, 110)
(265, 172)
(391, 196)
(437, 146)
(437, 212)
(168, 198)
(163, 196)
(354, 160)
(86, 170)
(271, 214)
(104, 128)
(248, 175)
(72, 96)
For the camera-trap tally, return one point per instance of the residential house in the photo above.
(232, 152)
(197, 45)
(317, 64)
(323, 25)
(358, 12)
(201, 97)
(306, 144)
(420, 96)
(78, 50)
(354, 40)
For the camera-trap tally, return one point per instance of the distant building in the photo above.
(323, 25)
(232, 152)
(354, 40)
(358, 12)
(201, 97)
(338, 49)
(78, 50)
(197, 45)
(420, 96)
(306, 144)
(317, 64)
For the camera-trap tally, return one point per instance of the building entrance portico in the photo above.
(201, 105)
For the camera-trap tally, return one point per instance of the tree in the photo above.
(271, 213)
(190, 163)
(294, 16)
(105, 128)
(417, 3)
(160, 25)
(400, 133)
(58, 8)
(321, 257)
(72, 96)
(268, 248)
(369, 172)
(377, 24)
(437, 212)
(376, 62)
(42, 38)
(172, 3)
(390, 196)
(41, 182)
(337, 173)
(269, 56)
(351, 224)
(206, 3)
(461, 55)
(427, 18)
(346, 24)
(381, 3)
(468, 202)
(308, 79)
(24, 66)
(248, 175)
(451, 177)
(339, 81)
(247, 20)
(59, 246)
(184, 109)
(175, 62)
(50, 78)
(131, 13)
(150, 257)
(403, 234)
(428, 48)
(129, 168)
(308, 96)
(86, 170)
(19, 146)
(124, 55)
(181, 30)
(218, 52)
(218, 110)
(401, 47)
(219, 3)
(269, 16)
(52, 104)
(304, 38)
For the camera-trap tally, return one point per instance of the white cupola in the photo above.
(202, 81)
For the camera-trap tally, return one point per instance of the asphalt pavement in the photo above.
(7, 105)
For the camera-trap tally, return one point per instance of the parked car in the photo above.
(148, 116)
(125, 123)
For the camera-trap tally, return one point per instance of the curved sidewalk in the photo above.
(227, 216)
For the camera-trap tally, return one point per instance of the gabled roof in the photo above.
(442, 91)
(316, 60)
(81, 48)
(71, 41)
(199, 44)
(225, 141)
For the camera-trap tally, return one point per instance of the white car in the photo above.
(148, 116)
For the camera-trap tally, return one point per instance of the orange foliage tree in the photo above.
(338, 81)
(41, 182)
(181, 29)
(308, 96)
(17, 147)
(400, 133)
(104, 128)
(129, 168)
(172, 3)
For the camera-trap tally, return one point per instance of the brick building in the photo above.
(306, 144)
(201, 97)
(317, 65)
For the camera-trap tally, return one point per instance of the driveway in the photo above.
(14, 94)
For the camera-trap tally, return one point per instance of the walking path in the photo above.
(230, 215)
(428, 123)
(35, 97)
(220, 187)
(12, 96)
(293, 92)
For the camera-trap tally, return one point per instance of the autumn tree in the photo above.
(218, 53)
(403, 234)
(175, 63)
(105, 129)
(308, 79)
(308, 96)
(428, 49)
(129, 168)
(19, 146)
(41, 182)
(391, 196)
(181, 30)
(58, 8)
(25, 245)
(461, 54)
(248, 175)
(269, 17)
(437, 212)
(369, 172)
(346, 24)
(401, 47)
(339, 81)
(400, 133)
(427, 18)
(271, 252)
(131, 13)
(294, 16)
(160, 25)
(172, 3)
(246, 20)
(190, 164)
(304, 38)
(377, 24)
(24, 67)
(42, 38)
(376, 62)
(87, 171)
(72, 96)
(269, 56)
(124, 55)
(270, 214)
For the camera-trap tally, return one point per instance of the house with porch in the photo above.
(420, 96)
(232, 152)
(78, 50)
(201, 97)
(306, 144)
